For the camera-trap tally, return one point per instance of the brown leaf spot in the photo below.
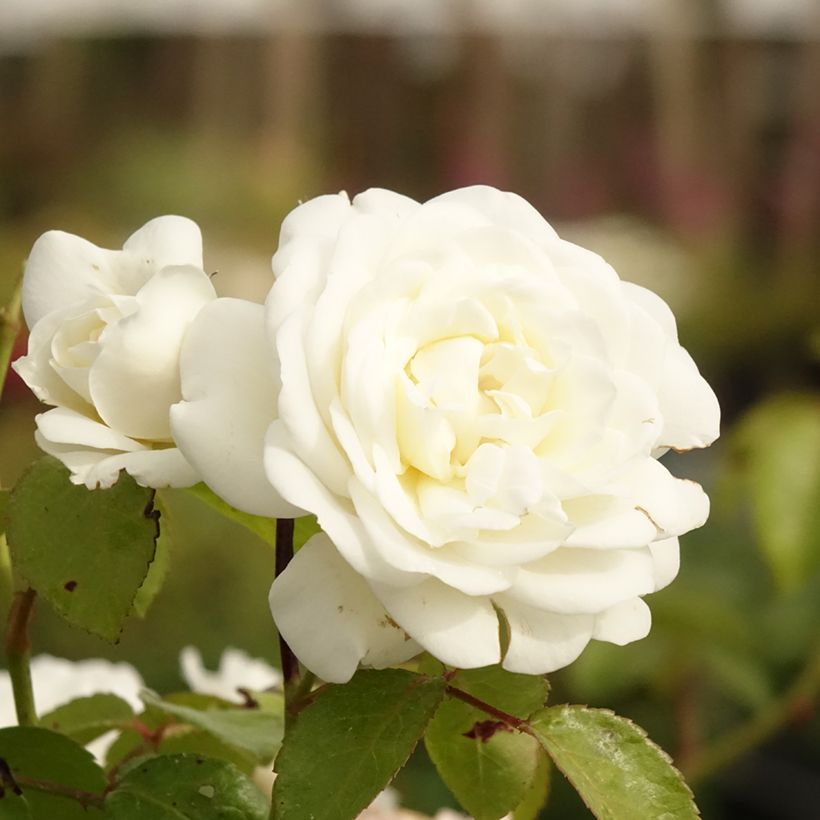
(483, 730)
(70, 586)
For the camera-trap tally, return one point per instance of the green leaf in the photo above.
(304, 528)
(265, 528)
(618, 772)
(85, 719)
(347, 745)
(185, 787)
(158, 571)
(252, 730)
(198, 741)
(538, 793)
(780, 441)
(36, 753)
(85, 551)
(491, 771)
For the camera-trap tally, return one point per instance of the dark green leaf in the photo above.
(86, 551)
(185, 787)
(158, 570)
(36, 753)
(4, 502)
(252, 730)
(304, 528)
(205, 744)
(265, 528)
(348, 744)
(618, 772)
(780, 442)
(491, 770)
(85, 719)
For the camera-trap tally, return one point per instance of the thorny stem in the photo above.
(511, 720)
(18, 656)
(284, 554)
(794, 704)
(9, 328)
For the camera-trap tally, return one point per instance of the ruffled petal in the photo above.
(406, 553)
(623, 623)
(666, 560)
(674, 505)
(499, 208)
(135, 378)
(297, 484)
(690, 409)
(101, 468)
(542, 641)
(167, 240)
(331, 619)
(63, 269)
(35, 368)
(459, 630)
(571, 581)
(64, 426)
(229, 402)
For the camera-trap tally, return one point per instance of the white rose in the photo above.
(106, 330)
(474, 409)
(237, 670)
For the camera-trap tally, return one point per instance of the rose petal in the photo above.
(690, 409)
(65, 426)
(35, 368)
(298, 411)
(331, 619)
(542, 641)
(167, 240)
(499, 208)
(229, 402)
(571, 581)
(666, 559)
(135, 378)
(673, 505)
(623, 623)
(458, 629)
(402, 551)
(296, 483)
(101, 468)
(62, 270)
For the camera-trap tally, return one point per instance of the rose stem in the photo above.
(284, 553)
(511, 720)
(84, 798)
(9, 327)
(18, 656)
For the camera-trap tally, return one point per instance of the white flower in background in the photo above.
(474, 409)
(387, 807)
(237, 670)
(56, 681)
(106, 330)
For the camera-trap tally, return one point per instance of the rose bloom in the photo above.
(474, 409)
(106, 329)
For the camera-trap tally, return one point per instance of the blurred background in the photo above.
(678, 138)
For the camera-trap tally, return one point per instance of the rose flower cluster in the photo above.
(472, 407)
